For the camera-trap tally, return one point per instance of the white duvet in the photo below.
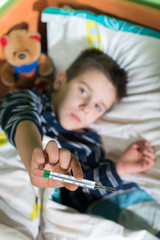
(29, 213)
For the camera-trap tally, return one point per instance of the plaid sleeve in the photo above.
(19, 106)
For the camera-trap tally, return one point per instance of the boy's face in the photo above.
(84, 99)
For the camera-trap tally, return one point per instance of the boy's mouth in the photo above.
(75, 117)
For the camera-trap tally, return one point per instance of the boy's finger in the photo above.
(64, 159)
(149, 149)
(148, 162)
(147, 144)
(77, 173)
(140, 145)
(38, 157)
(52, 152)
(76, 168)
(70, 187)
(150, 155)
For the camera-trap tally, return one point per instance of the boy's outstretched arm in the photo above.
(27, 138)
(29, 146)
(21, 120)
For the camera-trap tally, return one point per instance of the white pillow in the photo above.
(71, 31)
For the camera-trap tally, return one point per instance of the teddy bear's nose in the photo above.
(21, 56)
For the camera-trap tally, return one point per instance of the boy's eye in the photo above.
(98, 108)
(84, 92)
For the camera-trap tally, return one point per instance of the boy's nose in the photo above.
(84, 107)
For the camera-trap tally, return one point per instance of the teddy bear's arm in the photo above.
(7, 74)
(46, 66)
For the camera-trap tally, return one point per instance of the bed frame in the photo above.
(22, 13)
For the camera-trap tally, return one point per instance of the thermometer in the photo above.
(70, 179)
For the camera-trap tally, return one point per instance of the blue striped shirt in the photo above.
(86, 146)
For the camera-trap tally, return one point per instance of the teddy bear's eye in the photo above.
(27, 50)
(14, 53)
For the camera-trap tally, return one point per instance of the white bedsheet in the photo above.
(29, 213)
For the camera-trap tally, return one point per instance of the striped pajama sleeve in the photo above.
(19, 106)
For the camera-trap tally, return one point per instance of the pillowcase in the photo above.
(136, 49)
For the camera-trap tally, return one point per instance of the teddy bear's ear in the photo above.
(4, 41)
(36, 36)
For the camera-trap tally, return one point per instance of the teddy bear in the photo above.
(26, 66)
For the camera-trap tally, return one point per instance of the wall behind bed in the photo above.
(26, 14)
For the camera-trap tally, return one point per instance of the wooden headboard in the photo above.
(27, 14)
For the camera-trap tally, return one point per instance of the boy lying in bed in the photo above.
(82, 94)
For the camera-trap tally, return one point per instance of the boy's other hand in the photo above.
(58, 160)
(138, 157)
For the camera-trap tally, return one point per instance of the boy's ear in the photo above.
(59, 81)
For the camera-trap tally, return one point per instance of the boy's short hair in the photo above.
(96, 59)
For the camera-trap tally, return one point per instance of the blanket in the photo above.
(30, 213)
